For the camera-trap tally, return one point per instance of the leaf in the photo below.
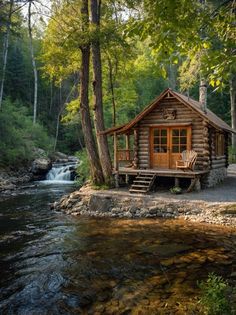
(212, 82)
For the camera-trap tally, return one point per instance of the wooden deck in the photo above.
(160, 172)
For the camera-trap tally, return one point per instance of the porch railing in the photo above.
(125, 155)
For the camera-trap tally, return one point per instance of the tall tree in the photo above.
(5, 49)
(95, 166)
(97, 91)
(232, 83)
(35, 105)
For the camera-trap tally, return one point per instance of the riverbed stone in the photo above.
(100, 203)
(40, 168)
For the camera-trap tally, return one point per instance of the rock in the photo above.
(153, 210)
(56, 156)
(133, 210)
(40, 167)
(100, 203)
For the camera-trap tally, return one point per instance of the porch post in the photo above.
(136, 148)
(115, 153)
(116, 162)
(127, 146)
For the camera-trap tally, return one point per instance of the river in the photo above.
(51, 263)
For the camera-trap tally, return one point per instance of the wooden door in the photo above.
(160, 147)
(180, 140)
(167, 143)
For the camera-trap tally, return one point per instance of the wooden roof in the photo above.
(212, 118)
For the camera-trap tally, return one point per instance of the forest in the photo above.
(70, 69)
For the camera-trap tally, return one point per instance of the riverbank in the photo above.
(120, 204)
(215, 205)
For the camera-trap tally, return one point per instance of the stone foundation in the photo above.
(214, 177)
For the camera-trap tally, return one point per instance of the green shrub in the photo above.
(232, 155)
(176, 190)
(83, 169)
(214, 295)
(18, 135)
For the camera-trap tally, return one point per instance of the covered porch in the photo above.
(194, 176)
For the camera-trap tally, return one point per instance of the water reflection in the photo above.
(54, 264)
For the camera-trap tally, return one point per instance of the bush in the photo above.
(83, 169)
(214, 295)
(176, 190)
(232, 155)
(18, 135)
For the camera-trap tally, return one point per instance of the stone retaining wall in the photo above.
(102, 204)
(214, 177)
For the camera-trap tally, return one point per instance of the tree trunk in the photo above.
(112, 90)
(5, 51)
(97, 90)
(33, 64)
(203, 94)
(95, 166)
(233, 106)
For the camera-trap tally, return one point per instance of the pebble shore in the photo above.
(94, 203)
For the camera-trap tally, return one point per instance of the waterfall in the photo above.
(61, 173)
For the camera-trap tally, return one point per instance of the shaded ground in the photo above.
(224, 192)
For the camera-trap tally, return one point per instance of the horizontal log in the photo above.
(218, 166)
(214, 162)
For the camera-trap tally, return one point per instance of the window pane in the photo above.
(164, 149)
(182, 148)
(183, 140)
(175, 132)
(163, 140)
(156, 140)
(175, 140)
(156, 149)
(175, 149)
(156, 132)
(164, 132)
(183, 132)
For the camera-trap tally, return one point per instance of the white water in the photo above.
(59, 174)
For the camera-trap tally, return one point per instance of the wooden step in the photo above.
(137, 191)
(142, 183)
(139, 186)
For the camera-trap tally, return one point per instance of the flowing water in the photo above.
(61, 173)
(51, 263)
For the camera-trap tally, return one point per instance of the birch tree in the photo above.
(5, 49)
(35, 103)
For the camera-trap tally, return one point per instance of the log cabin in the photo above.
(157, 136)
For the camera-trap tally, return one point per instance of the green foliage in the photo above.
(214, 295)
(19, 136)
(176, 190)
(83, 169)
(232, 155)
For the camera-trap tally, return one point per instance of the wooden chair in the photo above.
(188, 161)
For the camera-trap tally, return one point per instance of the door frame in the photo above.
(169, 140)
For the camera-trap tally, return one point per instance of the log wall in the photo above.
(184, 115)
(218, 161)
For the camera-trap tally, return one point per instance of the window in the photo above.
(179, 140)
(160, 140)
(220, 144)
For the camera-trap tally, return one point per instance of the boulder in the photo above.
(40, 167)
(100, 204)
(59, 156)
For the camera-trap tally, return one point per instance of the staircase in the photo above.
(142, 183)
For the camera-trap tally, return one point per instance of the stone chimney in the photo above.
(203, 95)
